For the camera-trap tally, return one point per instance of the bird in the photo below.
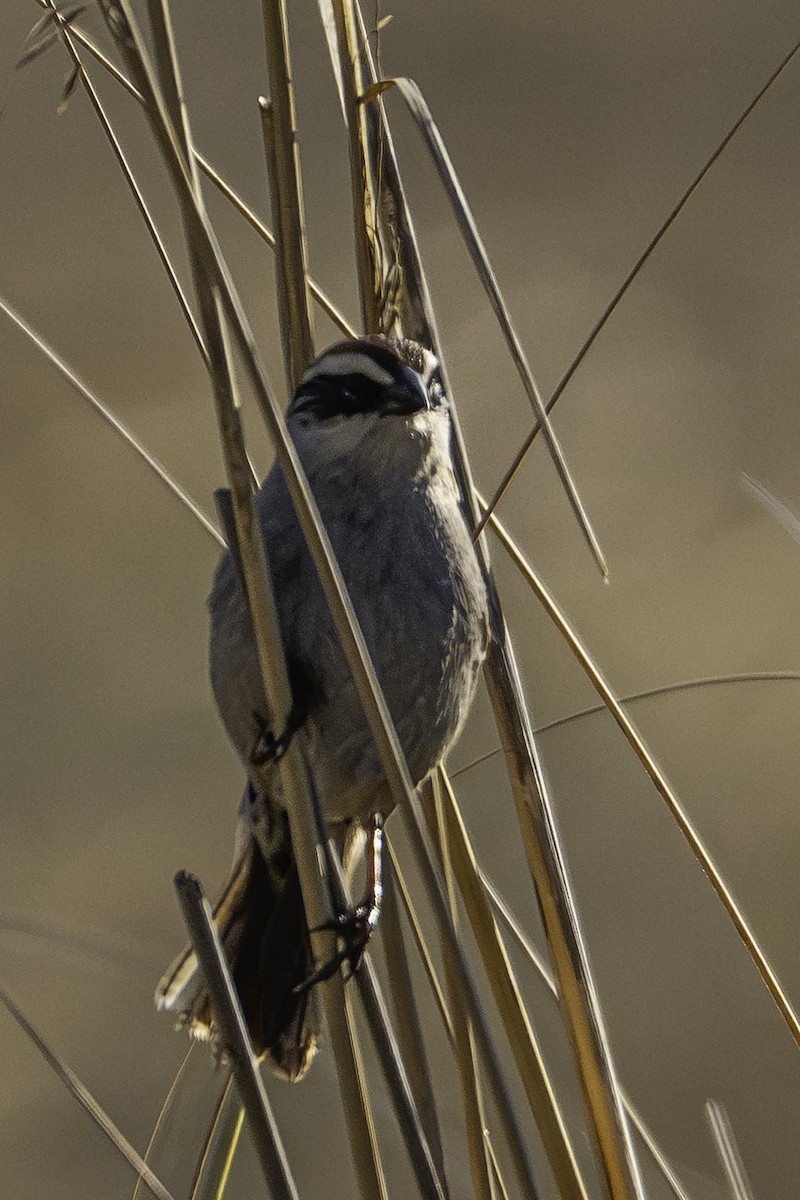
(371, 425)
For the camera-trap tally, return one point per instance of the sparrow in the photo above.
(371, 425)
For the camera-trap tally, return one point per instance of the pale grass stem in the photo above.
(532, 953)
(86, 1100)
(610, 308)
(658, 777)
(729, 1156)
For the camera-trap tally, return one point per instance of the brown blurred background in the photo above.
(575, 128)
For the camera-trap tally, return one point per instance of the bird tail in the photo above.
(262, 925)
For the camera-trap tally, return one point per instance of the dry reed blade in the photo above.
(369, 253)
(69, 42)
(86, 1100)
(545, 857)
(169, 123)
(235, 1038)
(244, 210)
(426, 1172)
(667, 689)
(527, 1053)
(610, 308)
(216, 1159)
(775, 507)
(421, 943)
(437, 899)
(163, 1112)
(548, 978)
(105, 412)
(438, 993)
(662, 784)
(419, 110)
(544, 972)
(580, 1002)
(294, 316)
(394, 293)
(406, 1015)
(725, 1143)
(297, 333)
(463, 1039)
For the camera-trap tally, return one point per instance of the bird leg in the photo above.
(355, 926)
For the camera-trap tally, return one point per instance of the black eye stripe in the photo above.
(338, 395)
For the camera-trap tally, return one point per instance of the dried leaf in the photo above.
(70, 14)
(48, 35)
(70, 87)
(384, 21)
(36, 49)
(41, 24)
(329, 25)
(377, 89)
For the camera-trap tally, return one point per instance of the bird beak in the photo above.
(406, 395)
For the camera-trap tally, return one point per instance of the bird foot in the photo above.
(354, 929)
(354, 926)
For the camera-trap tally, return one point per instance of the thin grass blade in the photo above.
(775, 507)
(105, 412)
(726, 1146)
(527, 1052)
(419, 110)
(658, 777)
(87, 1101)
(610, 308)
(219, 1149)
(163, 1113)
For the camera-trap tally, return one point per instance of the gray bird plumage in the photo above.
(373, 435)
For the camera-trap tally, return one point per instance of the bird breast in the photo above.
(417, 590)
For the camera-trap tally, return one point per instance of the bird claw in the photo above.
(354, 927)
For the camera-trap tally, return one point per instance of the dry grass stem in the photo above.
(667, 689)
(502, 1097)
(420, 941)
(235, 1038)
(391, 1063)
(378, 209)
(463, 1040)
(601, 321)
(662, 784)
(105, 412)
(297, 333)
(528, 1056)
(406, 1015)
(87, 1101)
(546, 975)
(172, 1092)
(775, 507)
(725, 1143)
(130, 179)
(244, 210)
(216, 1160)
(418, 108)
